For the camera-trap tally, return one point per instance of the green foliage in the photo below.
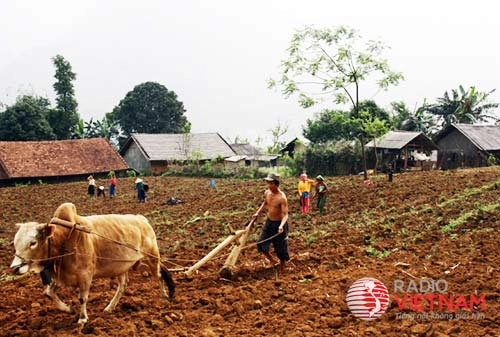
(462, 106)
(332, 63)
(111, 174)
(64, 118)
(151, 108)
(372, 251)
(106, 128)
(330, 125)
(326, 62)
(277, 132)
(26, 120)
(131, 173)
(492, 160)
(419, 120)
(333, 158)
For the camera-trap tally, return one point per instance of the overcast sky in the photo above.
(218, 55)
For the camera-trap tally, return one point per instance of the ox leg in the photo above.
(154, 266)
(83, 298)
(122, 283)
(50, 291)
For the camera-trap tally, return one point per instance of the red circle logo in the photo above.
(367, 298)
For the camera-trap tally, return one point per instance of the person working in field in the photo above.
(275, 229)
(321, 190)
(91, 186)
(304, 189)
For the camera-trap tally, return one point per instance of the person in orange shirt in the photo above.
(304, 189)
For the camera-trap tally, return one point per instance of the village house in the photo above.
(404, 150)
(467, 145)
(250, 156)
(57, 160)
(156, 153)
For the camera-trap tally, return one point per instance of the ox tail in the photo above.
(165, 274)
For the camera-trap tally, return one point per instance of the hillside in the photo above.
(436, 226)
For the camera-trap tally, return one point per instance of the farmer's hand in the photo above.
(280, 229)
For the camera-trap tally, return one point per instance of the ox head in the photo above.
(31, 247)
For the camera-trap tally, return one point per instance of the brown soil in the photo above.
(388, 231)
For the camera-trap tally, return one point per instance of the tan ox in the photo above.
(73, 250)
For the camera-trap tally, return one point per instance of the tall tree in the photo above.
(374, 127)
(26, 120)
(463, 107)
(419, 120)
(326, 63)
(277, 132)
(64, 118)
(329, 125)
(151, 108)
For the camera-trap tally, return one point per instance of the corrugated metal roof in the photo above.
(395, 139)
(243, 149)
(59, 158)
(485, 137)
(182, 146)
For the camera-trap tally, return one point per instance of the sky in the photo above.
(218, 55)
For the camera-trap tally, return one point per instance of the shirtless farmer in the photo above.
(275, 229)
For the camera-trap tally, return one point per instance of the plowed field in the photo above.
(439, 226)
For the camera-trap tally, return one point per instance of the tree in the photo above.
(26, 120)
(330, 125)
(463, 107)
(64, 118)
(277, 132)
(419, 120)
(374, 128)
(151, 108)
(326, 63)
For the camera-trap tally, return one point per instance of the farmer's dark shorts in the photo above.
(280, 242)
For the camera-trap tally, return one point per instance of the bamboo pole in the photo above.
(214, 251)
(227, 270)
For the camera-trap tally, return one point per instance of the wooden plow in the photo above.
(226, 271)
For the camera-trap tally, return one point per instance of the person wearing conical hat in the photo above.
(321, 189)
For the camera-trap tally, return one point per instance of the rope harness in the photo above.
(54, 261)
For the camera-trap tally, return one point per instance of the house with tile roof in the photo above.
(57, 160)
(155, 153)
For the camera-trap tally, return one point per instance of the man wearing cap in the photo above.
(275, 229)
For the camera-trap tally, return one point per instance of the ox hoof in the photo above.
(82, 321)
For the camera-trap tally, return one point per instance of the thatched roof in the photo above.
(397, 140)
(39, 159)
(484, 137)
(162, 146)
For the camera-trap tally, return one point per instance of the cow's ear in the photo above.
(50, 230)
(45, 230)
